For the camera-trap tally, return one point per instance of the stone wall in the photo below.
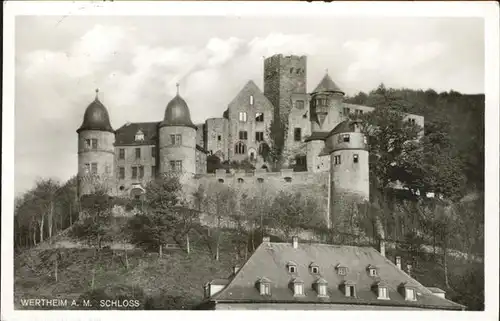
(216, 137)
(147, 159)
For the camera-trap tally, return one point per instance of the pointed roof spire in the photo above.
(96, 93)
(327, 85)
(177, 85)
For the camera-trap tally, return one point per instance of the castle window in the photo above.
(346, 138)
(121, 172)
(260, 180)
(336, 160)
(137, 153)
(291, 70)
(93, 168)
(176, 166)
(141, 171)
(240, 148)
(153, 151)
(297, 134)
(243, 116)
(251, 100)
(153, 171)
(134, 172)
(259, 117)
(243, 135)
(121, 153)
(93, 141)
(288, 179)
(346, 111)
(122, 188)
(139, 136)
(219, 138)
(299, 104)
(240, 180)
(355, 158)
(359, 112)
(382, 291)
(292, 267)
(220, 180)
(88, 143)
(259, 136)
(87, 168)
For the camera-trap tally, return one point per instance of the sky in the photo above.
(136, 62)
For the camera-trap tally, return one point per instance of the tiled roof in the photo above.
(317, 136)
(346, 126)
(327, 85)
(125, 135)
(270, 260)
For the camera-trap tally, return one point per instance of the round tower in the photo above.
(349, 164)
(177, 138)
(96, 151)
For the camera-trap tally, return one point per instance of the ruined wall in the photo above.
(217, 138)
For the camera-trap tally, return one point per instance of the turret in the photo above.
(326, 105)
(347, 147)
(177, 138)
(96, 151)
(325, 113)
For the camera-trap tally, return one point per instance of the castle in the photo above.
(320, 137)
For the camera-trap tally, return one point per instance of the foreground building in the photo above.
(294, 276)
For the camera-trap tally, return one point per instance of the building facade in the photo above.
(296, 276)
(320, 135)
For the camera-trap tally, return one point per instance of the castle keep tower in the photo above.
(96, 151)
(177, 138)
(349, 180)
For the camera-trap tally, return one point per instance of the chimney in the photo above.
(398, 261)
(295, 242)
(382, 247)
(408, 269)
(236, 268)
(266, 239)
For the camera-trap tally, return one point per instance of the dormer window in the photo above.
(298, 287)
(264, 286)
(251, 100)
(355, 158)
(381, 290)
(292, 267)
(408, 291)
(139, 136)
(350, 289)
(341, 270)
(321, 287)
(372, 270)
(346, 138)
(314, 268)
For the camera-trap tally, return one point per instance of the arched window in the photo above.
(240, 148)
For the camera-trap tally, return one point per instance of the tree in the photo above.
(157, 225)
(291, 212)
(277, 133)
(219, 203)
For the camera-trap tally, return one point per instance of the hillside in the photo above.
(175, 281)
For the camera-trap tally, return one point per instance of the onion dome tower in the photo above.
(349, 165)
(96, 151)
(177, 138)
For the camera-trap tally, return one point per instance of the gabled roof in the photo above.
(125, 135)
(327, 85)
(250, 87)
(270, 260)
